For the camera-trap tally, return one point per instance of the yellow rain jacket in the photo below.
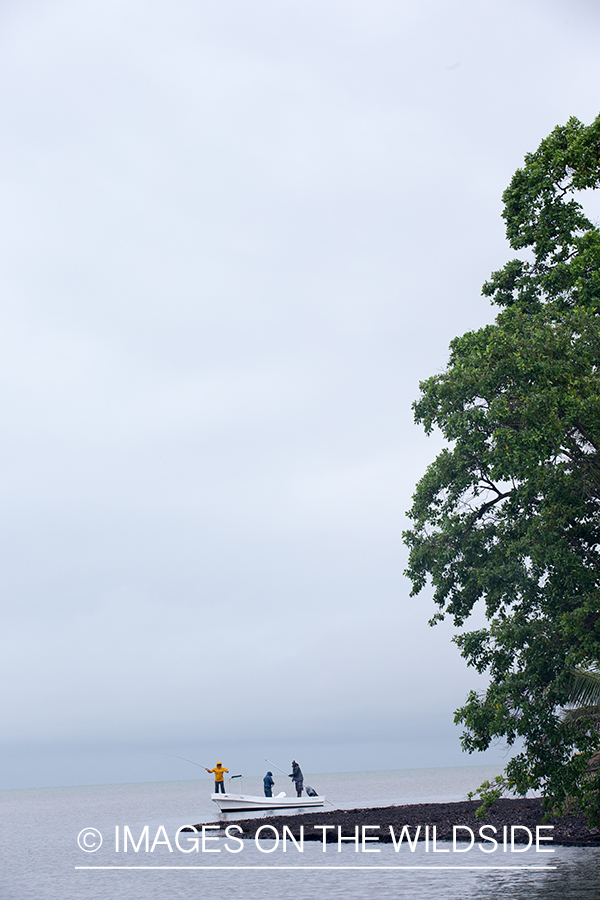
(218, 770)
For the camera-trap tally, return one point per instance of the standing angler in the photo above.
(297, 777)
(268, 783)
(219, 771)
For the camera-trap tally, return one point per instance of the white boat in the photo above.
(238, 802)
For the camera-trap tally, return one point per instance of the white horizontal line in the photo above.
(346, 868)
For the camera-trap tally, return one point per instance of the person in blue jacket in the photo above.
(268, 784)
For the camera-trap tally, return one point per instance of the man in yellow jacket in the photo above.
(219, 771)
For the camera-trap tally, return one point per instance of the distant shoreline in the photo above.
(568, 831)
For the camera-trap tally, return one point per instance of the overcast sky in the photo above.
(235, 235)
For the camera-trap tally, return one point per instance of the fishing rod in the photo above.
(285, 773)
(188, 760)
(273, 764)
(174, 755)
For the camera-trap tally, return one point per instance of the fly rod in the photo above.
(174, 755)
(188, 760)
(285, 773)
(273, 764)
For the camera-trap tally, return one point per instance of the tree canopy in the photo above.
(508, 514)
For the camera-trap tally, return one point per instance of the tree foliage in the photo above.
(508, 514)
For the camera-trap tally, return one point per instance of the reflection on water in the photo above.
(576, 877)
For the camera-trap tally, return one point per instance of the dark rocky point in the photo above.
(570, 830)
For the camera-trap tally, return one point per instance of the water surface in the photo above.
(38, 843)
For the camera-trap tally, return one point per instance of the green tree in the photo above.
(508, 514)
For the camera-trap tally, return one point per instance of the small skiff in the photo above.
(239, 802)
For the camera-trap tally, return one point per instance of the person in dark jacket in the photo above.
(297, 777)
(268, 784)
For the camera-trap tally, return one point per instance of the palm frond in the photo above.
(581, 712)
(585, 686)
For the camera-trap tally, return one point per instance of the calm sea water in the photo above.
(40, 854)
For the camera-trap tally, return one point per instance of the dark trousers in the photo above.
(219, 786)
(268, 792)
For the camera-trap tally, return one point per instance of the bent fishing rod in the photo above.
(188, 760)
(174, 755)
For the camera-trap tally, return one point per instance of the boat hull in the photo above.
(241, 802)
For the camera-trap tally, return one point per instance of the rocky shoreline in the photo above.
(570, 830)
